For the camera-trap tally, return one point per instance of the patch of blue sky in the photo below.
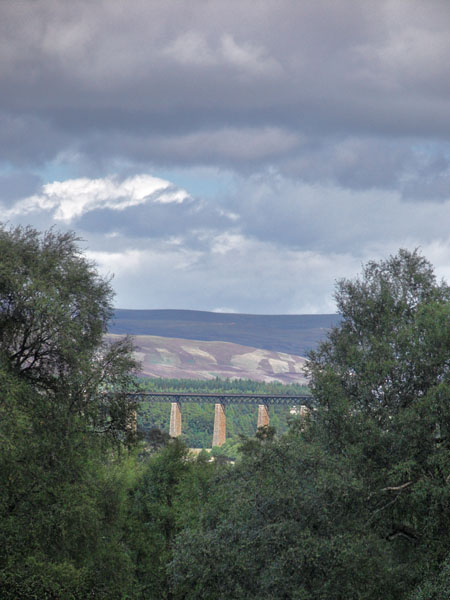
(431, 149)
(203, 183)
(49, 172)
(56, 171)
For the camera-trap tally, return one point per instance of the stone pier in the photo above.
(263, 416)
(220, 425)
(175, 419)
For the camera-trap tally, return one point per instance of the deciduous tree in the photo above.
(64, 411)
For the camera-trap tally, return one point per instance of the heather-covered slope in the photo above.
(194, 359)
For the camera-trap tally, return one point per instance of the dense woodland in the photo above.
(351, 502)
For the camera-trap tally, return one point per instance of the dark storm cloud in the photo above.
(240, 84)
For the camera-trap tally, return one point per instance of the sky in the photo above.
(229, 155)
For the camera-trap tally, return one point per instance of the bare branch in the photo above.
(398, 488)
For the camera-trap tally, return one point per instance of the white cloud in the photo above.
(137, 263)
(118, 263)
(228, 242)
(72, 198)
(438, 253)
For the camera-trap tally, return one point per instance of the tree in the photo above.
(167, 498)
(437, 587)
(64, 411)
(382, 385)
(54, 310)
(285, 522)
(370, 353)
(355, 504)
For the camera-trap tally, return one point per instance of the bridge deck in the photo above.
(223, 398)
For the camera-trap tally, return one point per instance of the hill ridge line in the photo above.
(292, 334)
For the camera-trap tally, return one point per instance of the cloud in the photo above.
(225, 145)
(270, 244)
(248, 57)
(430, 181)
(248, 277)
(72, 198)
(17, 184)
(220, 157)
(337, 91)
(192, 48)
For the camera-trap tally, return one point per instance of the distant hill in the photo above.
(176, 358)
(292, 334)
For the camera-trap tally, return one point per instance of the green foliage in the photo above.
(59, 432)
(383, 386)
(228, 451)
(166, 498)
(54, 310)
(281, 524)
(353, 504)
(380, 355)
(436, 586)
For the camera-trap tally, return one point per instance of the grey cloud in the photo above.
(250, 277)
(158, 221)
(430, 181)
(354, 163)
(287, 240)
(16, 185)
(240, 148)
(136, 208)
(29, 140)
(436, 189)
(325, 218)
(207, 83)
(267, 208)
(330, 119)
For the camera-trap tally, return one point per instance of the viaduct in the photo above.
(262, 401)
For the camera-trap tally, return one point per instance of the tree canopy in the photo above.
(353, 503)
(57, 420)
(54, 310)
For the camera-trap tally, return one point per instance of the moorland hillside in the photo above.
(193, 359)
